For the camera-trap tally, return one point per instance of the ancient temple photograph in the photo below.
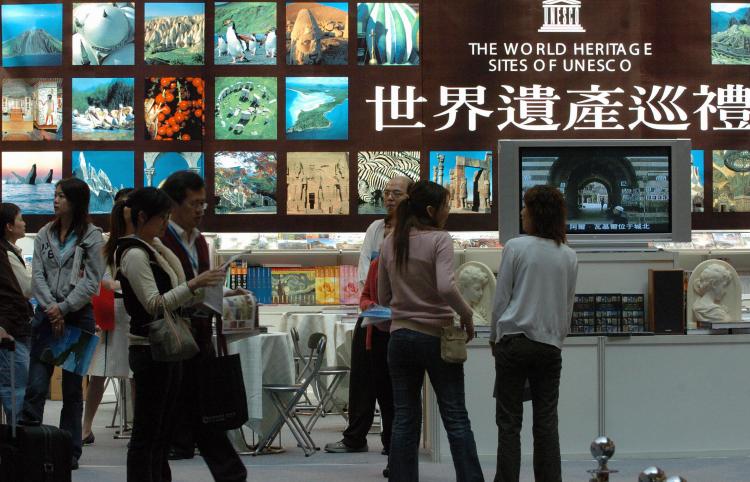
(174, 33)
(468, 177)
(32, 109)
(317, 33)
(317, 183)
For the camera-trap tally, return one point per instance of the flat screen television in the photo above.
(616, 190)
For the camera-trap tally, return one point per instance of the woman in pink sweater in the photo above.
(415, 278)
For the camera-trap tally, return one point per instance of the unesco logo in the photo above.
(562, 16)
(738, 161)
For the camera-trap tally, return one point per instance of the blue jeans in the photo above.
(21, 369)
(410, 354)
(39, 375)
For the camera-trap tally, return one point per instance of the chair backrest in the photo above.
(295, 342)
(317, 345)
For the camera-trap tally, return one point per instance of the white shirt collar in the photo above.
(188, 239)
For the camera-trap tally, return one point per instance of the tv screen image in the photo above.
(606, 189)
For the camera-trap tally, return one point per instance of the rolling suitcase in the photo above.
(39, 453)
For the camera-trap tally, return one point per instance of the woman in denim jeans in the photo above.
(527, 336)
(66, 271)
(415, 278)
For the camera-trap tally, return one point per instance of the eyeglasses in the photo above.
(394, 194)
(198, 205)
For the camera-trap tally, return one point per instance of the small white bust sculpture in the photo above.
(476, 283)
(714, 293)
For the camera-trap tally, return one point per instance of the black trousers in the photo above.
(369, 380)
(156, 388)
(516, 359)
(215, 448)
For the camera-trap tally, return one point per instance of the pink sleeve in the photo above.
(444, 274)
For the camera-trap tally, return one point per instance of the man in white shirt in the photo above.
(361, 386)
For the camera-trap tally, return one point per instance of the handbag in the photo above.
(453, 344)
(221, 398)
(171, 338)
(104, 308)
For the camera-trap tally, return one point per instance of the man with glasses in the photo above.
(364, 362)
(188, 191)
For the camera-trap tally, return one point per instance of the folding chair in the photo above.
(293, 394)
(300, 362)
(326, 392)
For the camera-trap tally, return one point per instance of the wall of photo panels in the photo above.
(296, 113)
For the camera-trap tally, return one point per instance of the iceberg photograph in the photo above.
(103, 109)
(29, 180)
(32, 35)
(245, 182)
(245, 33)
(317, 108)
(106, 172)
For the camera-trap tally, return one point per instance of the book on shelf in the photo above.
(349, 292)
(608, 313)
(293, 286)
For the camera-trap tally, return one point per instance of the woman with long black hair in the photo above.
(152, 280)
(66, 270)
(416, 279)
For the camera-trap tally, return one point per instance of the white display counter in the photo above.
(655, 396)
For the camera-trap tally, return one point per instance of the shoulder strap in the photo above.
(124, 244)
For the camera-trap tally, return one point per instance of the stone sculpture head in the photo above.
(714, 281)
(471, 283)
(305, 40)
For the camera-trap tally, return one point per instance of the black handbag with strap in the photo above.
(222, 400)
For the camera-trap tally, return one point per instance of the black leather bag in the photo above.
(223, 405)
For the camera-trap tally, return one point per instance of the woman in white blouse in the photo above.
(152, 280)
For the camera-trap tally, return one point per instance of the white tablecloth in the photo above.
(338, 329)
(266, 358)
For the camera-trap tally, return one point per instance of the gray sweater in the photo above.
(536, 286)
(68, 279)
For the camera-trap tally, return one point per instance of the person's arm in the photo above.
(384, 281)
(136, 268)
(93, 270)
(365, 255)
(446, 284)
(39, 287)
(503, 289)
(21, 273)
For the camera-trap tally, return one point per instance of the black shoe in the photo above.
(179, 455)
(74, 464)
(385, 452)
(89, 440)
(340, 447)
(387, 471)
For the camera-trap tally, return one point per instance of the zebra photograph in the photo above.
(375, 169)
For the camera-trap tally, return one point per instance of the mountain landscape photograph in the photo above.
(32, 35)
(174, 33)
(730, 33)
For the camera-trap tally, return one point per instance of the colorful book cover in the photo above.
(320, 280)
(349, 285)
(332, 286)
(293, 285)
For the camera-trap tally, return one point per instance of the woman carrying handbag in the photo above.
(154, 289)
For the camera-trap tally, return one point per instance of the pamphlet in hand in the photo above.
(376, 314)
(72, 351)
(213, 296)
